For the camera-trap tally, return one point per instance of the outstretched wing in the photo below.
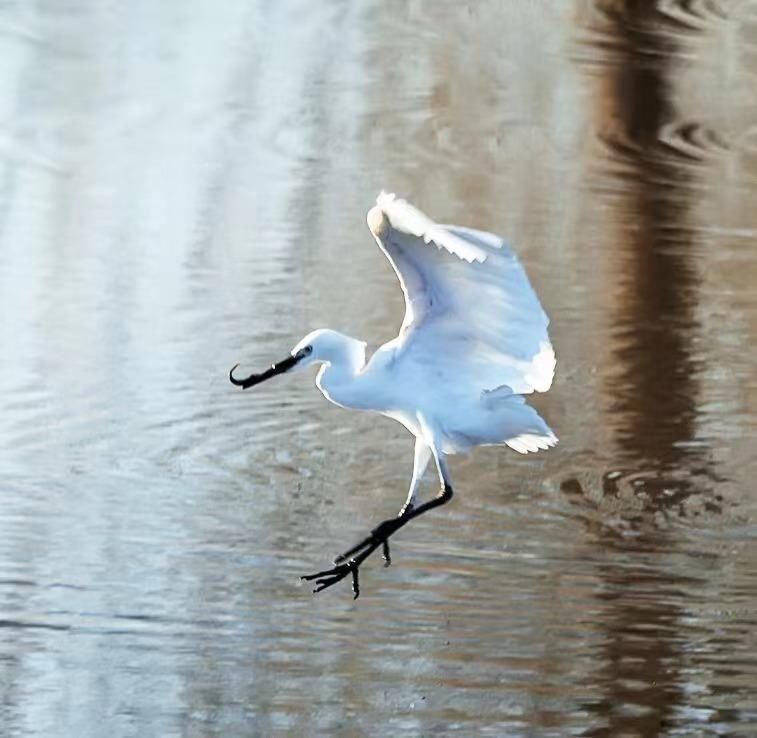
(468, 302)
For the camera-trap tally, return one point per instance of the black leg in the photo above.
(349, 562)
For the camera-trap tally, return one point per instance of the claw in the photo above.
(329, 577)
(319, 575)
(385, 553)
(355, 583)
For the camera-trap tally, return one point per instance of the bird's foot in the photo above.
(349, 562)
(379, 536)
(329, 577)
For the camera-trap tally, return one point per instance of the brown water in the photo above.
(184, 186)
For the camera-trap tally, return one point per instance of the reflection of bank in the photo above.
(651, 381)
(650, 376)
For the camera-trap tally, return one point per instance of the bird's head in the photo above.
(319, 346)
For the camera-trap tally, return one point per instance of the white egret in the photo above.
(474, 341)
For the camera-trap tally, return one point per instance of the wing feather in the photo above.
(468, 299)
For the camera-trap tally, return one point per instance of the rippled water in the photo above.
(184, 186)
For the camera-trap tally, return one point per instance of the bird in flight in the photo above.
(473, 341)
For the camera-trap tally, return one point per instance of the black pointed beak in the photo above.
(278, 368)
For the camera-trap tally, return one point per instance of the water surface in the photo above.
(184, 186)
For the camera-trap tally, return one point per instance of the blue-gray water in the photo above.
(184, 186)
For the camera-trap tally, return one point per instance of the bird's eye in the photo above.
(307, 350)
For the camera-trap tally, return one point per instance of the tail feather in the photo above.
(517, 425)
(526, 442)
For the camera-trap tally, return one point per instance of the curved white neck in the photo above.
(337, 376)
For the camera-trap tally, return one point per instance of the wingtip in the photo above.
(378, 218)
(378, 222)
(385, 198)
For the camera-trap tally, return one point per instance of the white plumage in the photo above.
(473, 341)
(480, 303)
